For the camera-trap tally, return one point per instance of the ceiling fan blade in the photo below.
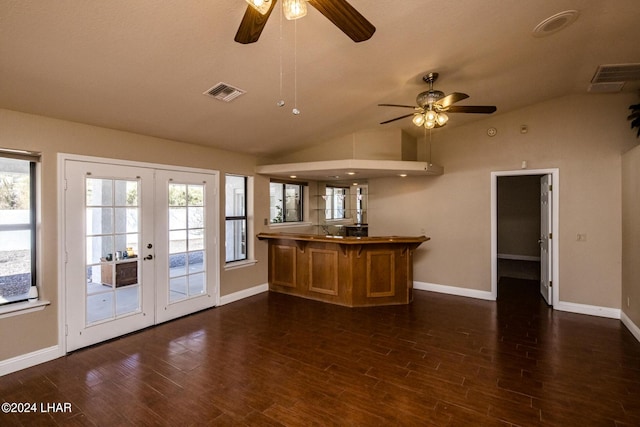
(345, 17)
(452, 98)
(252, 24)
(475, 109)
(397, 105)
(397, 118)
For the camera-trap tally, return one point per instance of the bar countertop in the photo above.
(343, 240)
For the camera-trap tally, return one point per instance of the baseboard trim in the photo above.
(453, 290)
(633, 328)
(591, 310)
(519, 257)
(28, 360)
(245, 293)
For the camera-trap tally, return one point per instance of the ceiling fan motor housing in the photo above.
(429, 97)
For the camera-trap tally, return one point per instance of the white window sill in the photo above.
(22, 308)
(240, 264)
(290, 224)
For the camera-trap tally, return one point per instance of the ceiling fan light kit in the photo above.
(261, 6)
(339, 12)
(294, 9)
(432, 106)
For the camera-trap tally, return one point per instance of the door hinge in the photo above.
(550, 187)
(66, 330)
(550, 235)
(65, 184)
(550, 284)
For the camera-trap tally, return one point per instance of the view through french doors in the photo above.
(185, 243)
(140, 248)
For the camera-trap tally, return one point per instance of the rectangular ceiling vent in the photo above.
(616, 73)
(611, 78)
(224, 92)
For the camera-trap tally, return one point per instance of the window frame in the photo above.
(244, 217)
(329, 203)
(284, 183)
(32, 226)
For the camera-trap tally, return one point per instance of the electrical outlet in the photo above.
(580, 237)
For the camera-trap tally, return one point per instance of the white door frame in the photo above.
(62, 158)
(555, 226)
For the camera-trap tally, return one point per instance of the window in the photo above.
(17, 227)
(285, 202)
(335, 199)
(236, 218)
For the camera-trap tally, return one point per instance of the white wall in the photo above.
(581, 135)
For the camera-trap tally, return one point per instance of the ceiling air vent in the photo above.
(224, 92)
(611, 78)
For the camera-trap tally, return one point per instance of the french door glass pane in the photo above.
(177, 218)
(100, 307)
(186, 241)
(99, 221)
(99, 192)
(98, 248)
(196, 239)
(112, 236)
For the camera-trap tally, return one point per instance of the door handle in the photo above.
(148, 257)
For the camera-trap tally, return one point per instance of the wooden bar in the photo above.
(349, 271)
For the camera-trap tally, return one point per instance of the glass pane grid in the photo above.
(112, 233)
(186, 241)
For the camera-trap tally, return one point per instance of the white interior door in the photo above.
(186, 256)
(108, 224)
(546, 263)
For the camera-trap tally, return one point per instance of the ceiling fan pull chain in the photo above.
(295, 110)
(280, 102)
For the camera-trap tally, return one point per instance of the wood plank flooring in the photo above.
(274, 360)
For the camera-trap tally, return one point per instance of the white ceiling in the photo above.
(142, 65)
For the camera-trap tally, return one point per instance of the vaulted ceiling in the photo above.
(143, 65)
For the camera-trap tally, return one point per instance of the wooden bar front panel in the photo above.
(376, 273)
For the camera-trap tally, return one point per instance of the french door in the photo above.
(185, 245)
(140, 248)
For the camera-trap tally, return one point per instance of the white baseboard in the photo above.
(28, 360)
(519, 257)
(633, 328)
(591, 310)
(453, 290)
(245, 293)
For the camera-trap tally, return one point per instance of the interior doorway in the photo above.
(524, 219)
(519, 227)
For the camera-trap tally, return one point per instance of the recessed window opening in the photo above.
(285, 202)
(17, 226)
(236, 218)
(335, 202)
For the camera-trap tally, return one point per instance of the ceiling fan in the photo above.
(433, 106)
(342, 14)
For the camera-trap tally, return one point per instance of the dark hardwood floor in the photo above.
(274, 360)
